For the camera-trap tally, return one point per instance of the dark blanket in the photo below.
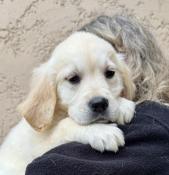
(146, 151)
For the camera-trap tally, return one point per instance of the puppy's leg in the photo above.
(100, 136)
(15, 152)
(125, 111)
(23, 144)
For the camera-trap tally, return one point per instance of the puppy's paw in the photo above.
(105, 137)
(126, 111)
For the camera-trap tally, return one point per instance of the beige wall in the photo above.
(30, 29)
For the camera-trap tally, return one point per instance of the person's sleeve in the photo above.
(146, 151)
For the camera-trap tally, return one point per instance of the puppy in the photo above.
(80, 84)
(90, 79)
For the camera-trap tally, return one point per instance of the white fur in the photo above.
(23, 144)
(125, 111)
(88, 56)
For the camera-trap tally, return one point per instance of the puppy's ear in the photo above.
(129, 86)
(39, 107)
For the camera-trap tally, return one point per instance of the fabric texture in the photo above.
(146, 151)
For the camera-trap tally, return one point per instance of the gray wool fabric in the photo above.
(146, 151)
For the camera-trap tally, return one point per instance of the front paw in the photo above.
(126, 111)
(105, 137)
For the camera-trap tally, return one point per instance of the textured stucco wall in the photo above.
(30, 29)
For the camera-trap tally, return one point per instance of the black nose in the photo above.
(98, 104)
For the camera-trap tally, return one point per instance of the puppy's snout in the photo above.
(98, 104)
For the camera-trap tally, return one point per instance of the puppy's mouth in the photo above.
(102, 121)
(100, 118)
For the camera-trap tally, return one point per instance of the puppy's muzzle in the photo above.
(98, 105)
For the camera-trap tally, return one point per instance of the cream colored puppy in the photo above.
(84, 82)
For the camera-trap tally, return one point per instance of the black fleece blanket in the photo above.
(146, 151)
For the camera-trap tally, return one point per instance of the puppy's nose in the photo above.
(98, 104)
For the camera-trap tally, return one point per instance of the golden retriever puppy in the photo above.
(92, 78)
(83, 82)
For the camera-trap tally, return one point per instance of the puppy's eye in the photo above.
(74, 79)
(109, 74)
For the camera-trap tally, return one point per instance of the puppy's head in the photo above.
(84, 78)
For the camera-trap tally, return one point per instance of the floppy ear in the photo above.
(129, 86)
(39, 107)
